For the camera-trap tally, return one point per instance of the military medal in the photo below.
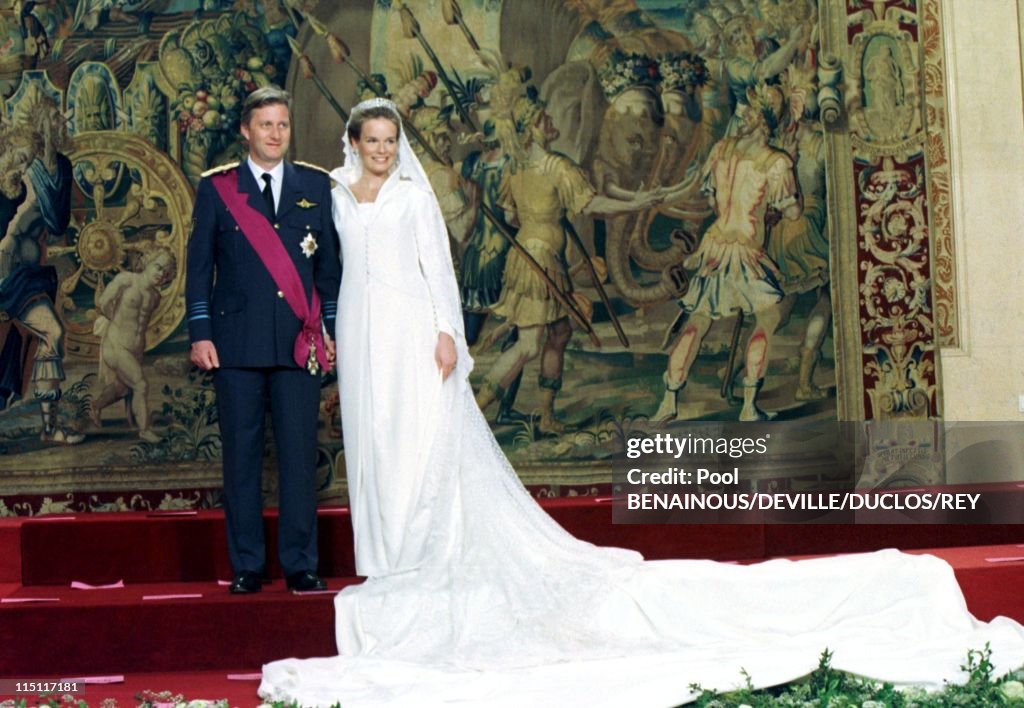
(308, 245)
(305, 204)
(312, 365)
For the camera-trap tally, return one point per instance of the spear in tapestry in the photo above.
(453, 16)
(343, 55)
(309, 72)
(340, 53)
(574, 236)
(292, 14)
(411, 29)
(563, 299)
(730, 367)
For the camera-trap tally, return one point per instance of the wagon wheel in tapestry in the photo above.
(111, 232)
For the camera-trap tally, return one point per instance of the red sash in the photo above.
(309, 345)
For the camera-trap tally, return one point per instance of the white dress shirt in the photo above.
(276, 176)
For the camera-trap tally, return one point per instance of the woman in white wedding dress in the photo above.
(475, 597)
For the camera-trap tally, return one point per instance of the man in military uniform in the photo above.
(261, 260)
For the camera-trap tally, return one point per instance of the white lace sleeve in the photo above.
(436, 266)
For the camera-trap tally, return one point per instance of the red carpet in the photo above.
(992, 578)
(117, 632)
(147, 548)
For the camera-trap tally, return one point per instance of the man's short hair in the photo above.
(266, 96)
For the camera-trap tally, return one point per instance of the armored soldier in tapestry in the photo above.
(635, 191)
(36, 203)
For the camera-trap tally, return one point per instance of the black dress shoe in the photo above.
(246, 582)
(305, 581)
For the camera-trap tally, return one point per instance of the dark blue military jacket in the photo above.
(230, 296)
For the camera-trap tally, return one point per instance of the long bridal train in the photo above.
(508, 609)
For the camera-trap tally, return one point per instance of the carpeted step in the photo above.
(991, 577)
(797, 539)
(190, 547)
(158, 547)
(70, 632)
(186, 547)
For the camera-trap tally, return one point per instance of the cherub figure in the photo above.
(127, 305)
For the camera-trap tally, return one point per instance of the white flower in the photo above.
(308, 245)
(1014, 690)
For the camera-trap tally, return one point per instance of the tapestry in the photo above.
(751, 218)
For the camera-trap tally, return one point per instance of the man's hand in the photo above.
(204, 355)
(332, 351)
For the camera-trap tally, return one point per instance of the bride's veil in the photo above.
(407, 164)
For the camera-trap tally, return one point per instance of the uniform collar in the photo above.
(277, 174)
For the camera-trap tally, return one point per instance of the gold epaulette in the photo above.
(311, 166)
(220, 168)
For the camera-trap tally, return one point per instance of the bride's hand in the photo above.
(444, 355)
